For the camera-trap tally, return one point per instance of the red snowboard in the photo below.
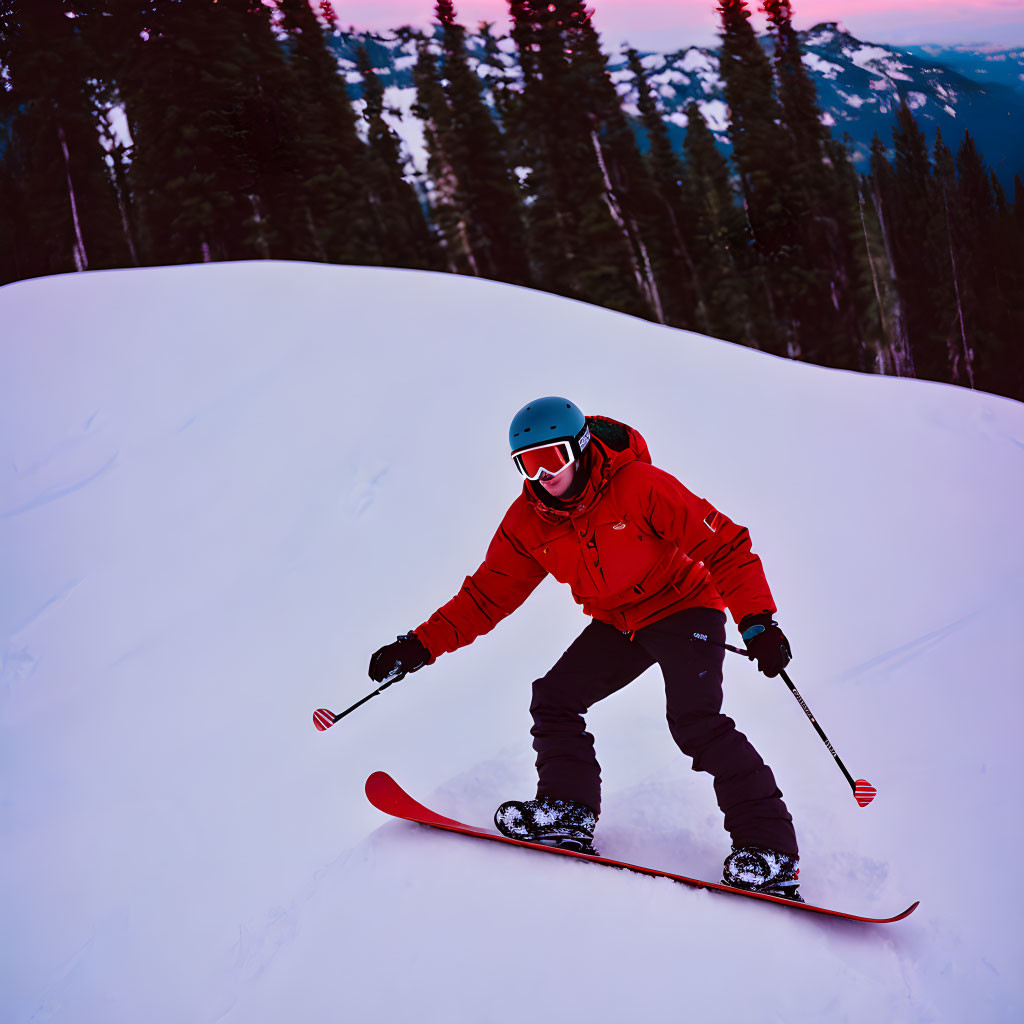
(386, 795)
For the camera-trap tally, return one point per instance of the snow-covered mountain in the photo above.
(216, 502)
(859, 87)
(983, 63)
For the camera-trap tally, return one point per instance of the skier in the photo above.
(652, 565)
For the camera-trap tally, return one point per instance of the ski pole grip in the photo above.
(392, 677)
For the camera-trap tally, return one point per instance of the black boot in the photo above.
(563, 823)
(767, 871)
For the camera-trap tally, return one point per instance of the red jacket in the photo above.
(634, 546)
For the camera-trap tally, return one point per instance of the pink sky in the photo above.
(665, 23)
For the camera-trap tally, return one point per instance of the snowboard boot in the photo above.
(563, 823)
(767, 871)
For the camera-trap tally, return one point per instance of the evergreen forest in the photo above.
(245, 144)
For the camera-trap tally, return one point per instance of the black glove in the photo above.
(406, 654)
(766, 643)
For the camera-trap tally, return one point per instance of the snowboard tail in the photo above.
(386, 795)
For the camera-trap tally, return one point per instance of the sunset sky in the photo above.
(665, 23)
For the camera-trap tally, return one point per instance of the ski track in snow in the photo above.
(55, 601)
(59, 491)
(365, 491)
(907, 652)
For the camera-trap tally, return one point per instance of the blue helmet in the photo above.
(546, 421)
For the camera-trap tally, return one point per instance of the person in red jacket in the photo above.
(655, 567)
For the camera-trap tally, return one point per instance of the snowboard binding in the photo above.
(564, 824)
(763, 871)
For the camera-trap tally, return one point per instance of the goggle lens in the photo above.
(551, 459)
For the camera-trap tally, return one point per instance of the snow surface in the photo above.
(670, 76)
(698, 60)
(853, 100)
(865, 55)
(825, 68)
(716, 114)
(223, 486)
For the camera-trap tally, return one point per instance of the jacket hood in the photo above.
(612, 446)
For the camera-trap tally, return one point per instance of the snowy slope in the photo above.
(220, 491)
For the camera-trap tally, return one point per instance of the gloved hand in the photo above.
(406, 654)
(766, 643)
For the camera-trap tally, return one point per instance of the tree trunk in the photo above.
(880, 359)
(81, 257)
(644, 278)
(968, 353)
(903, 359)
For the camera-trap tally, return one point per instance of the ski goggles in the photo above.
(550, 458)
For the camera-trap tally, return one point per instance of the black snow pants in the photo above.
(601, 661)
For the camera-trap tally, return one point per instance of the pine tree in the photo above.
(685, 303)
(921, 258)
(487, 188)
(396, 208)
(448, 202)
(268, 126)
(855, 316)
(873, 287)
(586, 177)
(1006, 376)
(797, 94)
(15, 235)
(998, 192)
(991, 278)
(961, 357)
(974, 185)
(761, 153)
(722, 241)
(334, 159)
(630, 193)
(883, 195)
(185, 88)
(55, 169)
(829, 331)
(553, 148)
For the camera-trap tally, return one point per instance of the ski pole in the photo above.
(863, 791)
(324, 719)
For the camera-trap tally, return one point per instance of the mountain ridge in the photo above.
(860, 85)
